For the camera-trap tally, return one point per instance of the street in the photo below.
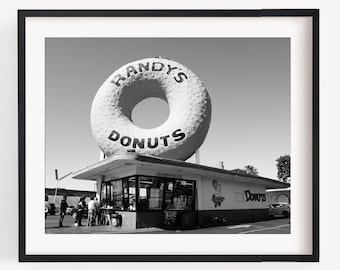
(273, 226)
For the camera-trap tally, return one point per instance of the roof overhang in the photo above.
(117, 162)
(279, 190)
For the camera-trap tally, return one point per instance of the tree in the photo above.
(251, 170)
(283, 168)
(239, 171)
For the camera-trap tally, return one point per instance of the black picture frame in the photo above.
(23, 14)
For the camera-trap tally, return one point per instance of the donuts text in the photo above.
(179, 77)
(152, 143)
(260, 197)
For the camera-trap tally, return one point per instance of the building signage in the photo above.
(259, 197)
(142, 143)
(217, 197)
(179, 77)
(189, 110)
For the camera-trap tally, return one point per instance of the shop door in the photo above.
(179, 203)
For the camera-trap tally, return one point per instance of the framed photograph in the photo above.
(168, 135)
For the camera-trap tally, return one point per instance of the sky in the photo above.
(248, 80)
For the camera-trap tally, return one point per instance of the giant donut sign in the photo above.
(189, 104)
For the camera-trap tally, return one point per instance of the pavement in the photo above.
(273, 226)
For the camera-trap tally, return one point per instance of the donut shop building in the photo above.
(149, 191)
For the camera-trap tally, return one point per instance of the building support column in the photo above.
(99, 187)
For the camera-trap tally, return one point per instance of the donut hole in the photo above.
(144, 102)
(150, 113)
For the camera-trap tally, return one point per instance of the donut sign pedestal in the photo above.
(178, 137)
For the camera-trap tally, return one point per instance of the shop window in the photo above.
(120, 194)
(179, 195)
(129, 186)
(169, 195)
(150, 193)
(154, 194)
(116, 194)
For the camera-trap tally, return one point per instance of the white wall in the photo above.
(233, 193)
(330, 131)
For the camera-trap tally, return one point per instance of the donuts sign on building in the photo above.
(189, 104)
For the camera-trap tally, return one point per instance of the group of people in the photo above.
(93, 211)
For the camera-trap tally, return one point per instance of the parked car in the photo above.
(51, 209)
(279, 209)
(47, 205)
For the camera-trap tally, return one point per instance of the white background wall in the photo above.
(330, 111)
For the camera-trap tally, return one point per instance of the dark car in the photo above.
(51, 209)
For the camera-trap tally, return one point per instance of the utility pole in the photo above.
(59, 179)
(56, 188)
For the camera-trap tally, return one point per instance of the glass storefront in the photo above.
(148, 193)
(120, 194)
(179, 195)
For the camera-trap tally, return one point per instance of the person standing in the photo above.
(96, 211)
(81, 208)
(63, 207)
(90, 213)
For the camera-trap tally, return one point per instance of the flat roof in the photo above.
(278, 189)
(113, 162)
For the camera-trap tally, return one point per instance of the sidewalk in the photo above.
(100, 229)
(273, 226)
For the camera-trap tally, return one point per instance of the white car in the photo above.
(279, 209)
